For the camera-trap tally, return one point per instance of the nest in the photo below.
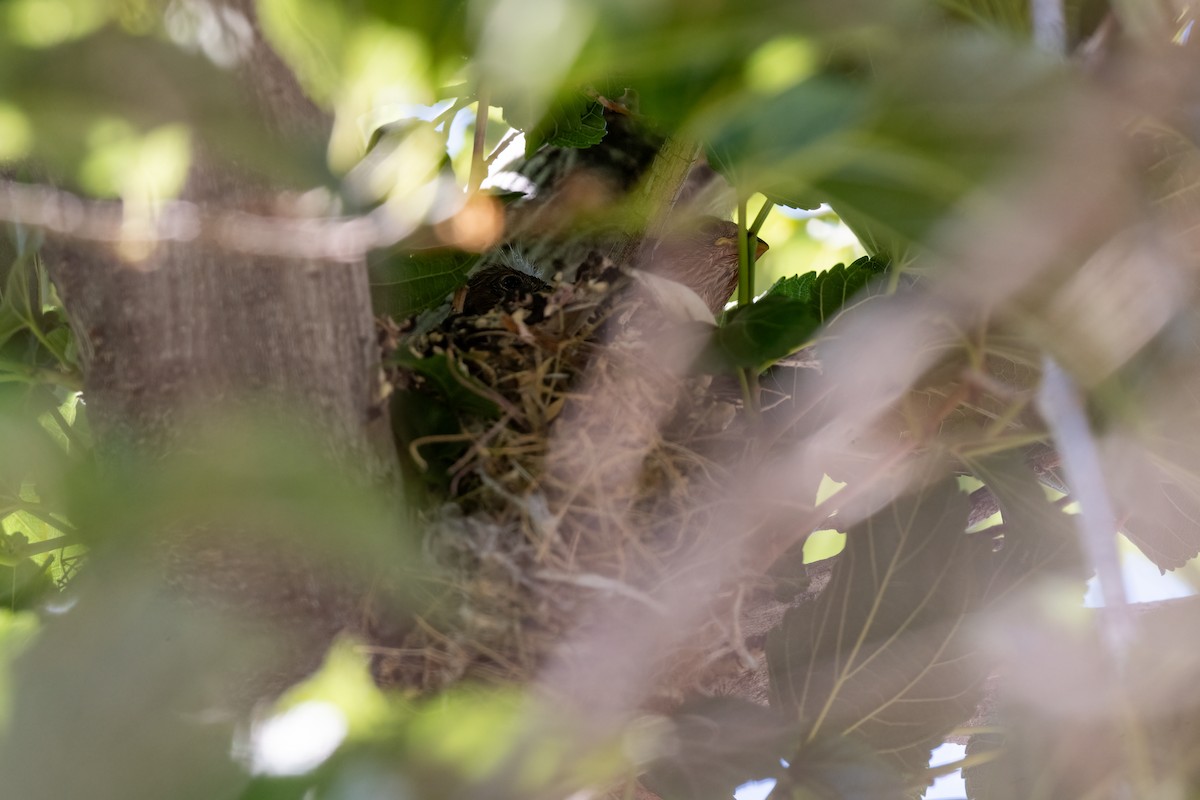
(581, 463)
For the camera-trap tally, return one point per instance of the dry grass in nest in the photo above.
(591, 481)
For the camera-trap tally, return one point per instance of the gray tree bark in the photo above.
(196, 333)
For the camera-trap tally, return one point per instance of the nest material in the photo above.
(594, 478)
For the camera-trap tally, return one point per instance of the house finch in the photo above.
(496, 285)
(703, 256)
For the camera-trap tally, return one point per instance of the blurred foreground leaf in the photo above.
(83, 85)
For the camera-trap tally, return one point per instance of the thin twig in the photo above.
(500, 148)
(1060, 406)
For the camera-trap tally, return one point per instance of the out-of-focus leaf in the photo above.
(17, 631)
(577, 121)
(1152, 461)
(880, 654)
(20, 303)
(895, 154)
(409, 283)
(43, 463)
(775, 144)
(1156, 481)
(762, 332)
(1068, 711)
(720, 743)
(828, 292)
(147, 84)
(279, 787)
(157, 658)
(312, 36)
(441, 24)
(24, 586)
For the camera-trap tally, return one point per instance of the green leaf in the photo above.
(773, 144)
(24, 586)
(762, 332)
(1038, 538)
(21, 290)
(575, 122)
(446, 378)
(721, 743)
(404, 284)
(827, 292)
(70, 90)
(880, 654)
(840, 768)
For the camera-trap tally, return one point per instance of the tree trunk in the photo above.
(196, 333)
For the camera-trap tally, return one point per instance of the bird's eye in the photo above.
(510, 284)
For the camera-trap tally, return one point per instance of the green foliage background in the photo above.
(907, 122)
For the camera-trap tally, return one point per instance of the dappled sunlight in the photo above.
(552, 398)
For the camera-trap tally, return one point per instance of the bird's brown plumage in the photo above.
(702, 256)
(497, 285)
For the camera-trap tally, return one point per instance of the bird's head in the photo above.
(702, 255)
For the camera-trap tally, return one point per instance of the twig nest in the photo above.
(576, 462)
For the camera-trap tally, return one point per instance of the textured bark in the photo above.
(193, 332)
(200, 328)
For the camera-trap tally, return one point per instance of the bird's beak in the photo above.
(731, 242)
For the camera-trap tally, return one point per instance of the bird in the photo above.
(702, 255)
(495, 286)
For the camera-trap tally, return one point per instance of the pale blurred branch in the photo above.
(1049, 25)
(346, 239)
(478, 161)
(1061, 407)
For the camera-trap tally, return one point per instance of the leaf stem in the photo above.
(761, 218)
(500, 148)
(478, 161)
(748, 378)
(745, 260)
